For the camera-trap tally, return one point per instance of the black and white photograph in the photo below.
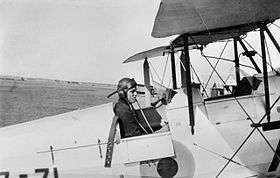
(139, 89)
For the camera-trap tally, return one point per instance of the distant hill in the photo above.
(25, 99)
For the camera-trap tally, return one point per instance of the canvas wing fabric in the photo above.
(192, 16)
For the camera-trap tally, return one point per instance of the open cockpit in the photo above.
(156, 143)
(246, 86)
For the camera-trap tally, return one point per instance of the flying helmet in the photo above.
(124, 85)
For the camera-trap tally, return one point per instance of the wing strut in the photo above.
(236, 60)
(173, 67)
(250, 57)
(275, 161)
(265, 77)
(146, 70)
(188, 83)
(272, 38)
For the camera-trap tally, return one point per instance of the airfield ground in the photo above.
(26, 99)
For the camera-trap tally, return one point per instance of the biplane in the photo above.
(229, 131)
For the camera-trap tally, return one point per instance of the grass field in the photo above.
(25, 99)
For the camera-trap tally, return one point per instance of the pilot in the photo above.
(128, 123)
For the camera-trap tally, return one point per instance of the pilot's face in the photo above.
(131, 95)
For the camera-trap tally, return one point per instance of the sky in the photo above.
(77, 40)
(86, 40)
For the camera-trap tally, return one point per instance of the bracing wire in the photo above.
(226, 158)
(176, 67)
(276, 25)
(164, 72)
(201, 18)
(203, 88)
(183, 65)
(154, 71)
(268, 54)
(152, 76)
(230, 74)
(151, 72)
(228, 60)
(144, 116)
(258, 53)
(216, 64)
(246, 139)
(157, 75)
(178, 61)
(252, 48)
(248, 116)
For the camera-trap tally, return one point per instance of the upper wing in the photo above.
(193, 16)
(155, 52)
(204, 38)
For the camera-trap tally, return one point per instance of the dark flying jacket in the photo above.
(127, 120)
(128, 127)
